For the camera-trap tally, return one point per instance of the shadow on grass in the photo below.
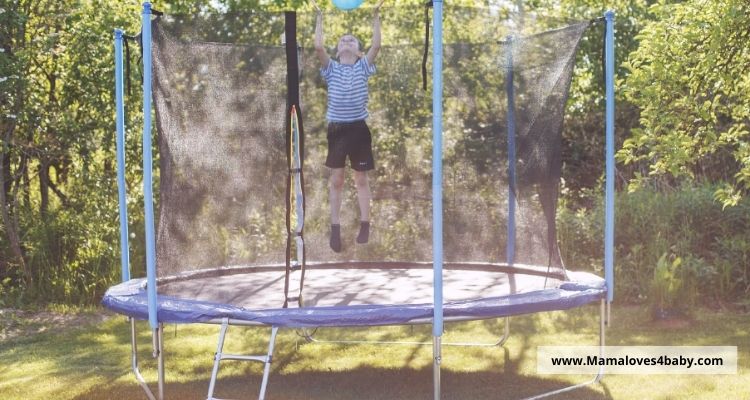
(408, 378)
(94, 360)
(361, 383)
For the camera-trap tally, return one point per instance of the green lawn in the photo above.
(92, 361)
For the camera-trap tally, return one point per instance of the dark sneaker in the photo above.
(336, 238)
(364, 232)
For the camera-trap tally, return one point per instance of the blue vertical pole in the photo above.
(437, 190)
(609, 223)
(510, 251)
(437, 167)
(120, 133)
(148, 196)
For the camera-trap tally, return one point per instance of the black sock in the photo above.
(336, 238)
(364, 232)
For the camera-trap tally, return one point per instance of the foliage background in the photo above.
(683, 117)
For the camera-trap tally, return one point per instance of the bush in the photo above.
(711, 242)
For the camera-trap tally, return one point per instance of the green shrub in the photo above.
(687, 224)
(672, 289)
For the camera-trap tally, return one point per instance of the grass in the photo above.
(92, 360)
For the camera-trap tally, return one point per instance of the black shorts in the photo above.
(351, 139)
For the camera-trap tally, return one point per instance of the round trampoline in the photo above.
(468, 167)
(355, 294)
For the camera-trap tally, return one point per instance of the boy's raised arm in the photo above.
(375, 48)
(320, 50)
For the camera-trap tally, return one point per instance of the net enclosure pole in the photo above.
(437, 191)
(609, 224)
(148, 196)
(510, 245)
(120, 139)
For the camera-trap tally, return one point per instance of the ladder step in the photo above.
(292, 299)
(238, 357)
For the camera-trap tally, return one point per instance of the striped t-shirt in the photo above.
(347, 90)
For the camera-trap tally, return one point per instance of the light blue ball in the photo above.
(347, 4)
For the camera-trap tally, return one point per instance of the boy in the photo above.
(348, 134)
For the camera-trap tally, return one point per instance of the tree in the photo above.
(57, 179)
(12, 163)
(690, 79)
(57, 139)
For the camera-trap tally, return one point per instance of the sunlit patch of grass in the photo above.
(93, 361)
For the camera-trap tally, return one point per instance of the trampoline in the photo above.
(356, 294)
(464, 230)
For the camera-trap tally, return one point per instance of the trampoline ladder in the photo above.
(219, 356)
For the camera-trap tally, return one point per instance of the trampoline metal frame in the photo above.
(437, 320)
(267, 359)
(598, 377)
(158, 353)
(309, 337)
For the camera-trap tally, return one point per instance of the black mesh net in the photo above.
(221, 106)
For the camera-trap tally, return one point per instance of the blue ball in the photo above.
(347, 4)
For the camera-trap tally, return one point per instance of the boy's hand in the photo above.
(316, 6)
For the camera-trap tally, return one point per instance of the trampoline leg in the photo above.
(159, 354)
(436, 359)
(599, 375)
(506, 333)
(134, 362)
(267, 367)
(603, 324)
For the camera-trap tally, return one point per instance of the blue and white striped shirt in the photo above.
(347, 90)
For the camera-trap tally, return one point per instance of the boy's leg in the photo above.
(362, 161)
(363, 196)
(335, 193)
(335, 160)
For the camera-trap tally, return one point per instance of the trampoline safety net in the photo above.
(222, 112)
